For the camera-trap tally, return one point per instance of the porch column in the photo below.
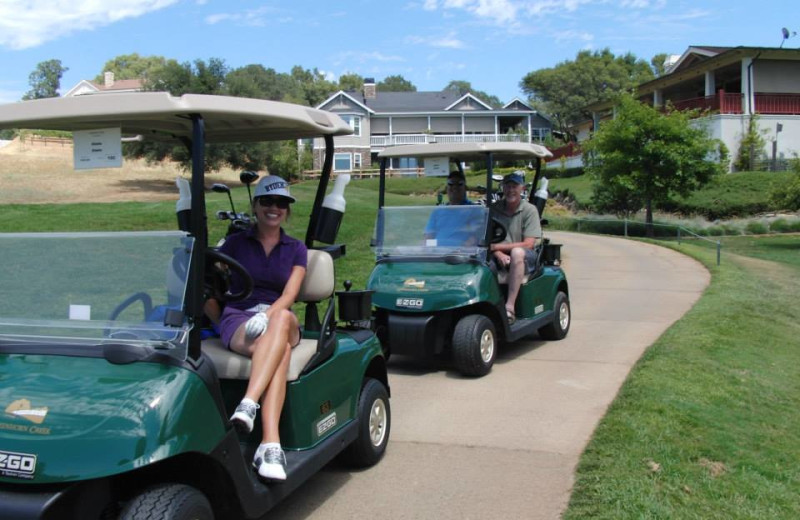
(429, 123)
(658, 98)
(391, 139)
(748, 99)
(711, 83)
(530, 135)
(463, 128)
(496, 129)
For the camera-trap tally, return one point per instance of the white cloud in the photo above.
(361, 57)
(447, 42)
(259, 17)
(571, 36)
(29, 23)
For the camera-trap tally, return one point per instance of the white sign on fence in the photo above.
(100, 148)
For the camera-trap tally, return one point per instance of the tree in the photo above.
(645, 155)
(463, 87)
(565, 90)
(659, 64)
(312, 86)
(751, 146)
(132, 66)
(395, 83)
(351, 82)
(45, 80)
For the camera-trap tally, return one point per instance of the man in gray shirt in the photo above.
(515, 253)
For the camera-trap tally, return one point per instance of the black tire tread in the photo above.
(552, 331)
(168, 502)
(466, 345)
(361, 453)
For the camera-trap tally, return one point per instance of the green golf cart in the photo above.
(435, 295)
(113, 404)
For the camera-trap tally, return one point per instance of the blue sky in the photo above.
(490, 43)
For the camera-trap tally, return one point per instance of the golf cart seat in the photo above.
(318, 285)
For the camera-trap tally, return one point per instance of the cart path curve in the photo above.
(507, 445)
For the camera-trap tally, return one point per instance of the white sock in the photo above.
(247, 400)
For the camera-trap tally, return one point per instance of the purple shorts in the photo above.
(232, 319)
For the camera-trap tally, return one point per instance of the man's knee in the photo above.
(517, 255)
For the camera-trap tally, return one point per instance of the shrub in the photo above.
(757, 227)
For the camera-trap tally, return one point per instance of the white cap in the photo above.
(272, 185)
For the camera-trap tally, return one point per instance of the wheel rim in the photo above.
(377, 422)
(487, 346)
(563, 316)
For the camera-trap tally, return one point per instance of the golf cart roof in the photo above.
(160, 116)
(469, 151)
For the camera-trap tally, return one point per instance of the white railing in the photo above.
(393, 140)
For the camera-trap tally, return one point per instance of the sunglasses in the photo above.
(455, 183)
(280, 202)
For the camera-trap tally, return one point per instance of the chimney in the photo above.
(108, 79)
(369, 88)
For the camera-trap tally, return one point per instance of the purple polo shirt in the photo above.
(270, 273)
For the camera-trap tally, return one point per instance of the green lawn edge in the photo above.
(707, 425)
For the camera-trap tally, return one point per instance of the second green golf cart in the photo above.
(433, 296)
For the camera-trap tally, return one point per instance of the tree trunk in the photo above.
(648, 220)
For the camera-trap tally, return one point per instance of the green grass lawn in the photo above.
(707, 425)
(731, 195)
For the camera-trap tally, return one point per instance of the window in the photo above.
(354, 122)
(357, 161)
(341, 162)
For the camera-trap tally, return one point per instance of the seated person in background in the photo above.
(449, 228)
(515, 252)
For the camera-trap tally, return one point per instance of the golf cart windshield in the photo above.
(431, 231)
(95, 288)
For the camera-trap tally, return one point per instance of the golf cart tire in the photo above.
(562, 318)
(168, 502)
(470, 346)
(374, 424)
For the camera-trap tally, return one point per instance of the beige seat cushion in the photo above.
(230, 365)
(502, 277)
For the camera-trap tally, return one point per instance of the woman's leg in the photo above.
(267, 351)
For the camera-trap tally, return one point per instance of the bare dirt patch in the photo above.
(42, 174)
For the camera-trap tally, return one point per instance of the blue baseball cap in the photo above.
(517, 177)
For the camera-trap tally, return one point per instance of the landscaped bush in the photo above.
(757, 227)
(783, 225)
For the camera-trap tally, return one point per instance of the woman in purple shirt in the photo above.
(263, 326)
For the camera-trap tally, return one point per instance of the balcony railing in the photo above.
(784, 104)
(725, 103)
(722, 102)
(398, 139)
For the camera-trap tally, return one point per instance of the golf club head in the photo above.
(247, 177)
(220, 188)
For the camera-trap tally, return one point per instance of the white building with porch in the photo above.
(382, 119)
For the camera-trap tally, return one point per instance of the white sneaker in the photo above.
(270, 462)
(244, 415)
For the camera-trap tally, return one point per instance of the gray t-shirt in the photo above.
(522, 224)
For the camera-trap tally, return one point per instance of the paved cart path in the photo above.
(506, 445)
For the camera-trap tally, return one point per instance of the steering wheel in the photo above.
(498, 231)
(218, 277)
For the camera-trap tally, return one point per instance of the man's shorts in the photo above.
(530, 262)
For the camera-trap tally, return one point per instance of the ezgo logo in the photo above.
(20, 465)
(410, 303)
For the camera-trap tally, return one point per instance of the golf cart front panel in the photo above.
(78, 418)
